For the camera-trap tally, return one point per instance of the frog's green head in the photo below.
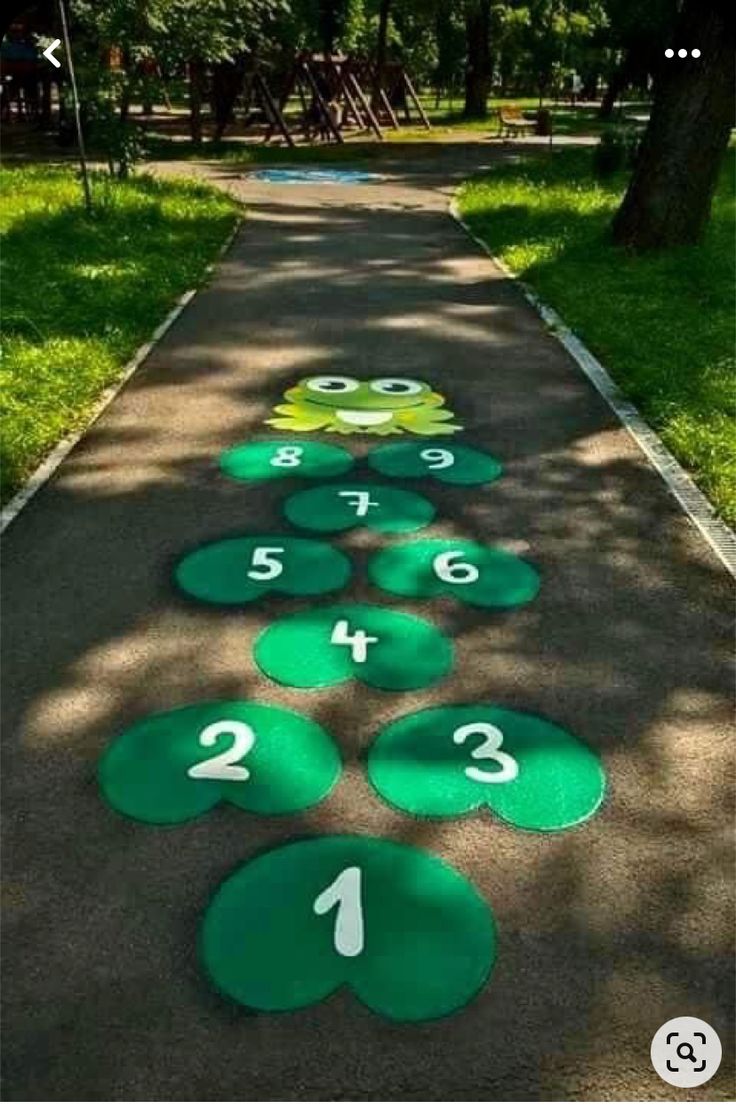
(383, 393)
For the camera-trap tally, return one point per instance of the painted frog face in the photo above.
(382, 406)
(336, 392)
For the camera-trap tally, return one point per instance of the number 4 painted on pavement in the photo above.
(358, 641)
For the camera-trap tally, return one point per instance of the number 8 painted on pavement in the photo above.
(223, 767)
(344, 892)
(288, 456)
(490, 749)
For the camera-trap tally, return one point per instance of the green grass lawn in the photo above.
(81, 294)
(662, 324)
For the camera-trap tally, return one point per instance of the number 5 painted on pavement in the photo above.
(223, 767)
(490, 749)
(263, 566)
(362, 501)
(348, 937)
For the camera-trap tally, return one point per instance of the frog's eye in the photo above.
(396, 386)
(332, 385)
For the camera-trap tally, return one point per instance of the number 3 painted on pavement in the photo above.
(490, 749)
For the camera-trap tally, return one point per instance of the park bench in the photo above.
(513, 122)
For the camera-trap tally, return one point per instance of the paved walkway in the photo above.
(606, 931)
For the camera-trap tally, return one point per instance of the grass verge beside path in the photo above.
(662, 324)
(81, 294)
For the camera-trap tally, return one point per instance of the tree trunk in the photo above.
(381, 48)
(196, 90)
(227, 84)
(478, 67)
(617, 82)
(669, 197)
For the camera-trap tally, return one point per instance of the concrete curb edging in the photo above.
(690, 498)
(54, 459)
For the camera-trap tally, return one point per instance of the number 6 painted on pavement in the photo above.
(459, 573)
(490, 749)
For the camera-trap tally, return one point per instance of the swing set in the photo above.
(336, 94)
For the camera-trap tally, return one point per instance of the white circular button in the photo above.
(686, 1052)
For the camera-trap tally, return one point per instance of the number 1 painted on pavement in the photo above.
(348, 937)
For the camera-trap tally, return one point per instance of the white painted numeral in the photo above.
(362, 501)
(357, 641)
(448, 569)
(287, 456)
(344, 892)
(438, 459)
(223, 767)
(263, 566)
(489, 749)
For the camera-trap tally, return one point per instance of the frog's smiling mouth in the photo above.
(371, 412)
(365, 417)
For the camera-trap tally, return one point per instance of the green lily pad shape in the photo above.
(408, 934)
(279, 458)
(325, 646)
(449, 761)
(177, 765)
(478, 575)
(356, 504)
(236, 571)
(455, 464)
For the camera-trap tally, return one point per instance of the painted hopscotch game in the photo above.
(305, 918)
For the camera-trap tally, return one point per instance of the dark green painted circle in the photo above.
(466, 466)
(144, 773)
(280, 458)
(298, 650)
(236, 571)
(332, 508)
(416, 940)
(415, 765)
(413, 570)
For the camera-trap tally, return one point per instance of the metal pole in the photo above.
(77, 116)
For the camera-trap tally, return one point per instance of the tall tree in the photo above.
(669, 197)
(478, 72)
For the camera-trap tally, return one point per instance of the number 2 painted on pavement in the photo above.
(362, 501)
(223, 767)
(357, 641)
(489, 749)
(263, 566)
(287, 456)
(348, 937)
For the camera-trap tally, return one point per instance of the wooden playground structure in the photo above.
(336, 94)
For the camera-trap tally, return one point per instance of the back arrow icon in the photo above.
(49, 53)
